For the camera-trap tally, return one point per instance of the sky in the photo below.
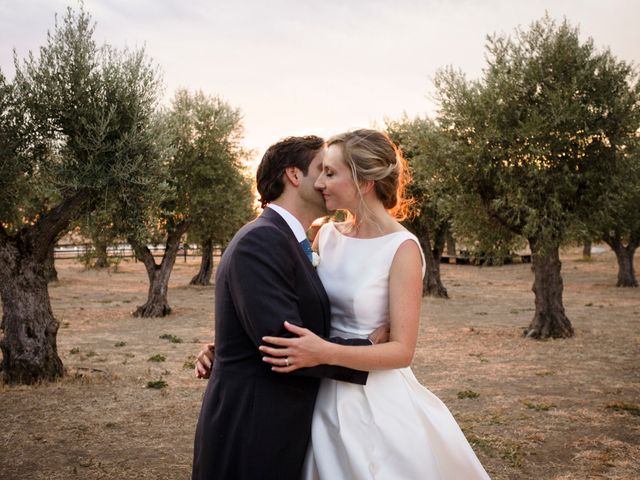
(296, 67)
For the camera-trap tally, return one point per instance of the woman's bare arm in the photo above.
(405, 298)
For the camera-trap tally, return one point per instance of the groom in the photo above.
(254, 423)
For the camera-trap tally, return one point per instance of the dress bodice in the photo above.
(392, 427)
(355, 274)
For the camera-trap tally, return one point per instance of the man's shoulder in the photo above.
(262, 232)
(261, 227)
(257, 245)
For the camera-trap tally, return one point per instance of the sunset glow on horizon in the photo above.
(299, 68)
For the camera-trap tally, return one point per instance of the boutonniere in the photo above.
(315, 259)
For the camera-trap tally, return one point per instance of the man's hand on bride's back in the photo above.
(204, 361)
(380, 334)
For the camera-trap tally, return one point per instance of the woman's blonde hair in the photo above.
(372, 156)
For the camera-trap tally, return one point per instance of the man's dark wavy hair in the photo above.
(290, 152)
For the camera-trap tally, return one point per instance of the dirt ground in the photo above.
(558, 409)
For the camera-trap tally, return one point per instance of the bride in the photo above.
(372, 267)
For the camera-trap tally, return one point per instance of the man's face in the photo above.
(313, 199)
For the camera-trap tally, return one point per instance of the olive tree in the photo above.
(536, 140)
(207, 134)
(202, 188)
(425, 147)
(74, 134)
(617, 221)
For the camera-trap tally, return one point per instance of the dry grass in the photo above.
(558, 409)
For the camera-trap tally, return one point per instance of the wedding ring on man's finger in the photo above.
(286, 361)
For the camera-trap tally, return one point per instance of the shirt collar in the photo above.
(293, 222)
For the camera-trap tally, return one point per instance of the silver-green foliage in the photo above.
(207, 165)
(440, 205)
(538, 134)
(78, 120)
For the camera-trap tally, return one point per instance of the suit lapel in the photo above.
(274, 217)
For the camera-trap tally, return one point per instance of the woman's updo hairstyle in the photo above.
(371, 155)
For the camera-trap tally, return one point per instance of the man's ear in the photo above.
(293, 175)
(366, 186)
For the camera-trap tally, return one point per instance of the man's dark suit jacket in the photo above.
(255, 424)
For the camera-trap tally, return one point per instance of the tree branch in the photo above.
(145, 256)
(613, 241)
(518, 228)
(173, 239)
(50, 224)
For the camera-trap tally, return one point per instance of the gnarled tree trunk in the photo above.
(102, 260)
(550, 320)
(626, 272)
(203, 277)
(50, 272)
(29, 348)
(432, 284)
(157, 304)
(624, 255)
(586, 250)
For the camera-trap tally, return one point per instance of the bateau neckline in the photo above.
(333, 225)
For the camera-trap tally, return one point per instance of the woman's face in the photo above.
(336, 182)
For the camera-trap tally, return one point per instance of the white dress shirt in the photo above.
(293, 222)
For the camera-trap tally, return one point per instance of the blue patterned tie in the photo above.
(306, 246)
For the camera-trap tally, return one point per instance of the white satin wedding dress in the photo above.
(392, 428)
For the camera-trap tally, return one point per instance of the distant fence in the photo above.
(124, 250)
(467, 259)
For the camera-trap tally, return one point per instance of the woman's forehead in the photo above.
(333, 156)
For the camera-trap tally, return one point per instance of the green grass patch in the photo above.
(74, 350)
(632, 408)
(480, 442)
(90, 354)
(539, 407)
(468, 394)
(190, 363)
(119, 344)
(171, 338)
(157, 358)
(157, 384)
(512, 452)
